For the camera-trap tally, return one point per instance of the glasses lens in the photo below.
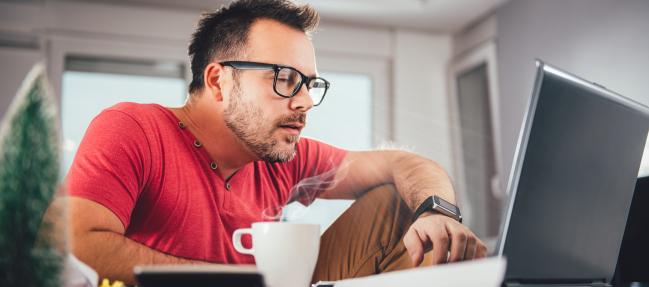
(317, 90)
(287, 81)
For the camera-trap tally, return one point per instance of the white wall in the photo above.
(420, 94)
(20, 47)
(479, 32)
(603, 41)
(15, 63)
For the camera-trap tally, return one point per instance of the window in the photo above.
(91, 85)
(344, 118)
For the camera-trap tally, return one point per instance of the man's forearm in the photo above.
(416, 178)
(113, 256)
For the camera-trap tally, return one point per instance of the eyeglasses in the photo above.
(287, 80)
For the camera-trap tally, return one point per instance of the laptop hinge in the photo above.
(598, 283)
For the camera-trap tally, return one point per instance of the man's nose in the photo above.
(302, 100)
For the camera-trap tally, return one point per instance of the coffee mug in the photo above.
(285, 253)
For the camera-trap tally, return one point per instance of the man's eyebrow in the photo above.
(310, 75)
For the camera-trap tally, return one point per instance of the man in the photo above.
(155, 185)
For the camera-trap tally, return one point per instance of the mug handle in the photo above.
(236, 240)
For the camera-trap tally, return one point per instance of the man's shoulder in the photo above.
(137, 110)
(310, 143)
(309, 149)
(144, 115)
(132, 120)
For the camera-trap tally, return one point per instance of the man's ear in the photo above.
(212, 79)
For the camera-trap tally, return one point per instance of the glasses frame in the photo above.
(305, 80)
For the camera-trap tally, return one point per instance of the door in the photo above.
(474, 110)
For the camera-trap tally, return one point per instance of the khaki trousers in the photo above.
(367, 238)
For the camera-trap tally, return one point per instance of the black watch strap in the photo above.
(437, 204)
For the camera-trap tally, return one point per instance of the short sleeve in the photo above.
(111, 164)
(316, 166)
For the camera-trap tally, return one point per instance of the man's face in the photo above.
(266, 123)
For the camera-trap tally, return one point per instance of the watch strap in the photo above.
(428, 205)
(423, 207)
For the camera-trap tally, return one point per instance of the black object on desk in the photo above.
(198, 276)
(633, 262)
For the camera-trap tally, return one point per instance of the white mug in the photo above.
(285, 253)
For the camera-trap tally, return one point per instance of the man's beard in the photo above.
(247, 122)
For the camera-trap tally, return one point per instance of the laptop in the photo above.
(572, 182)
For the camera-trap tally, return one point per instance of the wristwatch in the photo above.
(437, 204)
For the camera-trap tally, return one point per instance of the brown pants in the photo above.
(367, 238)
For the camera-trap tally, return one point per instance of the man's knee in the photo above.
(366, 239)
(385, 211)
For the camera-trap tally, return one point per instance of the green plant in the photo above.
(29, 175)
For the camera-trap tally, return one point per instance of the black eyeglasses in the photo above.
(288, 80)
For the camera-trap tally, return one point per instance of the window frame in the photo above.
(62, 46)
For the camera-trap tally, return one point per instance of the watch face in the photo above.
(445, 204)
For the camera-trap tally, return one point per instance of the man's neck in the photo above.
(207, 125)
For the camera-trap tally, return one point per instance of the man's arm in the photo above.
(97, 238)
(415, 178)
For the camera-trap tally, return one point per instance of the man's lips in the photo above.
(293, 128)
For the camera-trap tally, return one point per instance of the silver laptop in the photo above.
(572, 182)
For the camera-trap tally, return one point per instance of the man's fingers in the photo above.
(414, 246)
(451, 241)
(471, 245)
(440, 247)
(481, 250)
(458, 244)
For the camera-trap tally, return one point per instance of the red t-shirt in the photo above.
(137, 161)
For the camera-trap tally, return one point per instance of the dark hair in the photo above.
(223, 33)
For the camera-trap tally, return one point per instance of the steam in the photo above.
(305, 192)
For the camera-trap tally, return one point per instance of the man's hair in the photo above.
(223, 33)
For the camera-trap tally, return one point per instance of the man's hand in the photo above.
(442, 234)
